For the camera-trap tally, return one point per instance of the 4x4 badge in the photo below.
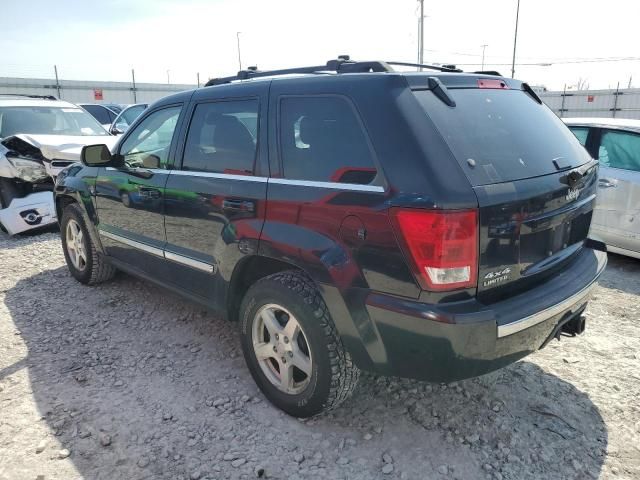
(499, 276)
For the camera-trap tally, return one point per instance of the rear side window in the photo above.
(99, 113)
(502, 135)
(322, 139)
(620, 150)
(581, 134)
(222, 138)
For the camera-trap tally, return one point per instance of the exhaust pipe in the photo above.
(575, 326)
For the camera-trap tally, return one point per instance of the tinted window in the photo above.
(581, 134)
(620, 150)
(222, 138)
(99, 113)
(321, 139)
(507, 135)
(148, 144)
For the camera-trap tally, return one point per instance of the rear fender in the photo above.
(335, 272)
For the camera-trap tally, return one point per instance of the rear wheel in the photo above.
(292, 348)
(84, 261)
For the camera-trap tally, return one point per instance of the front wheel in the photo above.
(292, 348)
(84, 261)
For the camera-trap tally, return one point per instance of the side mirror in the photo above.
(119, 128)
(95, 155)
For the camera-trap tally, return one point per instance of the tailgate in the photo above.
(530, 228)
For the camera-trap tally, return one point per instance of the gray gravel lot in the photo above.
(128, 381)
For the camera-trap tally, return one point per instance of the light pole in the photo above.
(421, 35)
(484, 47)
(515, 41)
(239, 57)
(168, 82)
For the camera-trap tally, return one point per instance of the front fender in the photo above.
(76, 184)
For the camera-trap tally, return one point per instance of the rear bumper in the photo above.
(450, 342)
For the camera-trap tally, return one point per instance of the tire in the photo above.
(332, 376)
(94, 267)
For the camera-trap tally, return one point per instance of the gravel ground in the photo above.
(128, 381)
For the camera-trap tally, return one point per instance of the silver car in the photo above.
(616, 143)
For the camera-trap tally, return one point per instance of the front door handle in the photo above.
(606, 183)
(239, 205)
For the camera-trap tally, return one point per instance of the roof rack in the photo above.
(43, 97)
(343, 64)
(489, 72)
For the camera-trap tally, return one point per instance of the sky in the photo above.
(560, 42)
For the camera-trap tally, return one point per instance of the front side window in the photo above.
(322, 139)
(148, 144)
(222, 138)
(620, 150)
(581, 134)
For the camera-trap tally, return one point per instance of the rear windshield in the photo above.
(502, 135)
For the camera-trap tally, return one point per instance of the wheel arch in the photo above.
(246, 273)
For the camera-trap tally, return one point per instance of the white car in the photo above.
(615, 142)
(39, 136)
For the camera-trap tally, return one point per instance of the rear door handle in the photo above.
(606, 183)
(238, 205)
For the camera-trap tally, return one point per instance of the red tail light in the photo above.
(441, 245)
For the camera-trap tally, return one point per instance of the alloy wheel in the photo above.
(75, 245)
(282, 349)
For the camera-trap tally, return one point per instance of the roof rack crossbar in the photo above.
(439, 68)
(341, 65)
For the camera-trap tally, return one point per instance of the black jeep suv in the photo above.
(426, 225)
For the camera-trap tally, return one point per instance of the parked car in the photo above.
(424, 225)
(616, 144)
(39, 136)
(115, 107)
(126, 117)
(104, 114)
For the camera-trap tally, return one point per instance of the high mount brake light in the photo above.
(442, 246)
(492, 83)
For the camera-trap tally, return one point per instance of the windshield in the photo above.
(48, 121)
(502, 135)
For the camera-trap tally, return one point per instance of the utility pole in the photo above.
(133, 81)
(198, 75)
(484, 47)
(239, 56)
(55, 68)
(515, 41)
(421, 35)
(168, 82)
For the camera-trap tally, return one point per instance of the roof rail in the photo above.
(26, 95)
(343, 64)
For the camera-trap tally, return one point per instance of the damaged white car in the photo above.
(39, 137)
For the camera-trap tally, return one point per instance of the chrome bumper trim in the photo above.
(575, 299)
